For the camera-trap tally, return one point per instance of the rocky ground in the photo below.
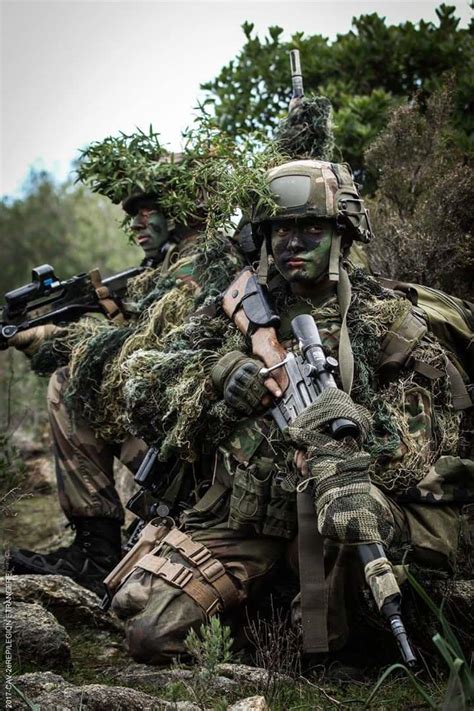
(68, 654)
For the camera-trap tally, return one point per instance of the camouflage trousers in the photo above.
(190, 576)
(84, 463)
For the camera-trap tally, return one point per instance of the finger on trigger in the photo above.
(273, 386)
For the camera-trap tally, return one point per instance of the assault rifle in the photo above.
(309, 374)
(47, 299)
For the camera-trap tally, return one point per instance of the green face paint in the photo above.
(301, 249)
(150, 230)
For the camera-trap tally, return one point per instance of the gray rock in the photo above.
(142, 674)
(251, 703)
(70, 603)
(37, 636)
(245, 674)
(36, 683)
(97, 697)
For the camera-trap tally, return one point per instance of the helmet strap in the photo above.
(334, 258)
(262, 271)
(345, 354)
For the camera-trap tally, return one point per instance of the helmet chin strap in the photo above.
(262, 271)
(339, 276)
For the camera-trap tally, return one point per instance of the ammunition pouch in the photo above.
(259, 501)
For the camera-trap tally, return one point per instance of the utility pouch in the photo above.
(150, 537)
(250, 494)
(280, 515)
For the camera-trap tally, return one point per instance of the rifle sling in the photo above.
(314, 592)
(107, 303)
(346, 356)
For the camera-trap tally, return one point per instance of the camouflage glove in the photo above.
(237, 376)
(30, 341)
(346, 510)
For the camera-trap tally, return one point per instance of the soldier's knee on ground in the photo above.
(172, 589)
(157, 617)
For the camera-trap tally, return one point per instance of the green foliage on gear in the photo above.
(307, 131)
(422, 208)
(365, 73)
(213, 176)
(98, 354)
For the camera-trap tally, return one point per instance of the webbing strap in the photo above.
(262, 271)
(459, 393)
(314, 593)
(109, 306)
(175, 573)
(334, 258)
(346, 356)
(195, 553)
(181, 577)
(211, 569)
(211, 498)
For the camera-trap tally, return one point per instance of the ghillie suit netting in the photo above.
(307, 131)
(210, 179)
(169, 397)
(414, 422)
(170, 402)
(96, 390)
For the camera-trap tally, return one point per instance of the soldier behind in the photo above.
(405, 484)
(84, 458)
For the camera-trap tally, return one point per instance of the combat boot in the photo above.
(95, 551)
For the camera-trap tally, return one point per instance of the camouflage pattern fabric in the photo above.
(430, 525)
(84, 462)
(158, 613)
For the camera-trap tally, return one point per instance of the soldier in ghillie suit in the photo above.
(86, 415)
(406, 482)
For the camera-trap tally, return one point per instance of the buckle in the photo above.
(175, 573)
(213, 607)
(213, 570)
(199, 556)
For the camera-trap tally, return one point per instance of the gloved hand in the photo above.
(338, 473)
(30, 341)
(236, 376)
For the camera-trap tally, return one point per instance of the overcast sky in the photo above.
(74, 71)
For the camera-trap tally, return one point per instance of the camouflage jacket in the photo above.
(416, 448)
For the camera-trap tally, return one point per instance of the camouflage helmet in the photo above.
(318, 188)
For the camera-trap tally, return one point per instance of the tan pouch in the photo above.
(151, 535)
